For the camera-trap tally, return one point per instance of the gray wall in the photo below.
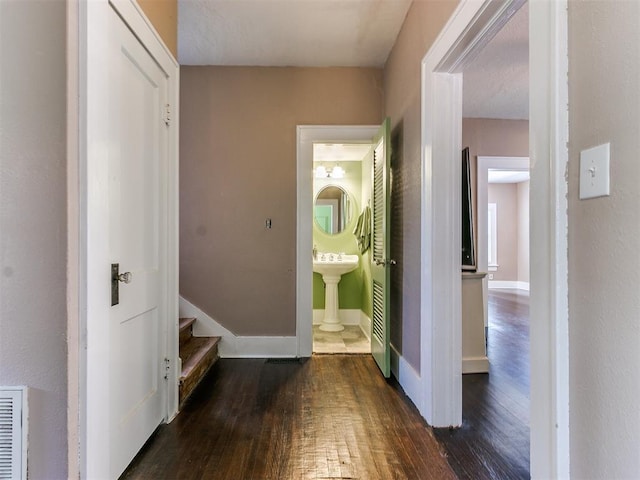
(512, 204)
(402, 104)
(604, 242)
(238, 168)
(491, 137)
(33, 222)
(504, 195)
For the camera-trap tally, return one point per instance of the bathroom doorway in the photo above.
(311, 294)
(341, 261)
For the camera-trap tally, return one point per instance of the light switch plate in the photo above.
(594, 172)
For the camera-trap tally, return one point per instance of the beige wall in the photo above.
(512, 205)
(33, 350)
(604, 241)
(492, 138)
(163, 14)
(238, 168)
(402, 103)
(504, 195)
(523, 231)
(495, 137)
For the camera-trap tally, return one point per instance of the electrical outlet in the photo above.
(491, 276)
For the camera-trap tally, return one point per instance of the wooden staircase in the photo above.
(198, 354)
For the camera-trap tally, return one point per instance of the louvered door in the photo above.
(380, 261)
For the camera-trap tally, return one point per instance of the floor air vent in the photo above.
(13, 429)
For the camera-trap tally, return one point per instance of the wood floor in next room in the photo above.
(327, 417)
(493, 442)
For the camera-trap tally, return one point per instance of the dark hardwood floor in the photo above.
(493, 442)
(329, 417)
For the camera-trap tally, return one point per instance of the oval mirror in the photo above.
(332, 209)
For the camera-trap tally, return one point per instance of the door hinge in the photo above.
(167, 115)
(167, 367)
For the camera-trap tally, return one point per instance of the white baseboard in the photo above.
(365, 325)
(508, 284)
(475, 365)
(407, 377)
(348, 316)
(233, 346)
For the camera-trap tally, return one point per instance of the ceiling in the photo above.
(507, 176)
(309, 33)
(323, 152)
(496, 82)
(340, 33)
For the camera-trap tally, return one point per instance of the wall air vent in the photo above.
(13, 433)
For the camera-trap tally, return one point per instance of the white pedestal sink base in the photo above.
(331, 321)
(332, 266)
(327, 327)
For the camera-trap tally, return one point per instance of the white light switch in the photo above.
(594, 172)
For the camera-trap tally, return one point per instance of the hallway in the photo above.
(331, 416)
(493, 441)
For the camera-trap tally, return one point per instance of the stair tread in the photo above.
(185, 323)
(194, 351)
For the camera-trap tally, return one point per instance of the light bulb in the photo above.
(337, 172)
(321, 172)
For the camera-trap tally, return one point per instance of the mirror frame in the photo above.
(349, 213)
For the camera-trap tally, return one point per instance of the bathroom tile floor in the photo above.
(350, 340)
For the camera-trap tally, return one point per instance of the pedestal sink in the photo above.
(332, 266)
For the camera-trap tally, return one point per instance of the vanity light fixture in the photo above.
(321, 172)
(329, 172)
(337, 172)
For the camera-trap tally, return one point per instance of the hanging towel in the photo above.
(363, 230)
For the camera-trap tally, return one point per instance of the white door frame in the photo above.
(470, 27)
(307, 135)
(89, 254)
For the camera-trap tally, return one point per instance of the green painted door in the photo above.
(380, 261)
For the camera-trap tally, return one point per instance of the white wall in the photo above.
(33, 222)
(604, 242)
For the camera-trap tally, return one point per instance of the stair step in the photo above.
(198, 355)
(186, 322)
(186, 329)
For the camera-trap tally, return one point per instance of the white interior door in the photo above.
(137, 159)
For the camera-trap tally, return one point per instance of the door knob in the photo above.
(385, 262)
(116, 278)
(125, 277)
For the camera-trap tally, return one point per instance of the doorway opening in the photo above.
(319, 230)
(470, 27)
(340, 256)
(503, 221)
